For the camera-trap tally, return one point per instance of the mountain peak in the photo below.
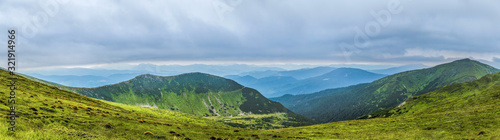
(180, 75)
(147, 75)
(467, 64)
(465, 60)
(196, 73)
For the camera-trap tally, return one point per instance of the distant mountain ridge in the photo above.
(298, 74)
(355, 101)
(95, 77)
(340, 77)
(275, 86)
(399, 69)
(86, 80)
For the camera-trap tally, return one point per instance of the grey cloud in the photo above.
(94, 32)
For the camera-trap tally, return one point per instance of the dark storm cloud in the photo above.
(95, 32)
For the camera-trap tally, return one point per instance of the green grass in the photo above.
(257, 121)
(67, 115)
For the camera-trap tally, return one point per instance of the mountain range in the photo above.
(399, 69)
(86, 80)
(95, 77)
(275, 86)
(355, 101)
(297, 74)
(458, 111)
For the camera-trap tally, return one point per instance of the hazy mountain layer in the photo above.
(275, 86)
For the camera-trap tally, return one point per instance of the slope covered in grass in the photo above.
(194, 93)
(47, 112)
(481, 95)
(356, 101)
(468, 110)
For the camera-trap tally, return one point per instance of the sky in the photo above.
(70, 33)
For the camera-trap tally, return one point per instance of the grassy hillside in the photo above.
(337, 105)
(264, 121)
(460, 111)
(46, 112)
(194, 93)
(481, 95)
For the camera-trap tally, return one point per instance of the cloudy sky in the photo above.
(96, 32)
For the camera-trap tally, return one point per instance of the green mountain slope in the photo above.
(481, 95)
(337, 105)
(468, 110)
(46, 112)
(194, 93)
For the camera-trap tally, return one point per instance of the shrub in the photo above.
(167, 124)
(108, 126)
